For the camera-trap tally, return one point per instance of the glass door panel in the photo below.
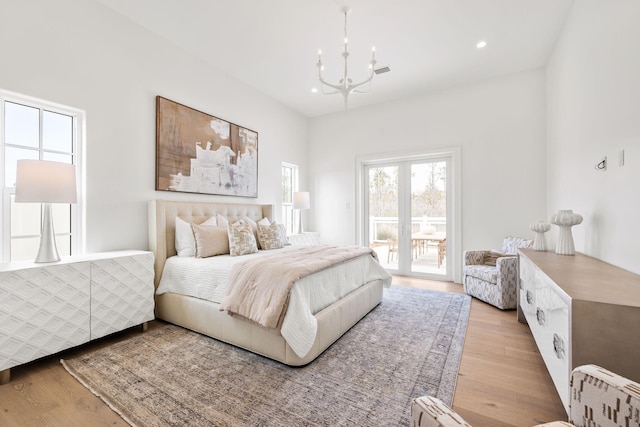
(382, 196)
(429, 217)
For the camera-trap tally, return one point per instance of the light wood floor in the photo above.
(502, 379)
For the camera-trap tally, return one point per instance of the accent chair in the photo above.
(598, 398)
(492, 276)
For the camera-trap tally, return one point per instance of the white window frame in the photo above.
(78, 245)
(293, 225)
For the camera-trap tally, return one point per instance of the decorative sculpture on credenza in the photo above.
(540, 242)
(565, 219)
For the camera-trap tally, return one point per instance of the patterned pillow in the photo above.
(490, 258)
(241, 239)
(270, 236)
(210, 241)
(254, 226)
(511, 244)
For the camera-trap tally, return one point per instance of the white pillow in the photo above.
(222, 221)
(185, 243)
(283, 235)
(264, 221)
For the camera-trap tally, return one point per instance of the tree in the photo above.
(382, 191)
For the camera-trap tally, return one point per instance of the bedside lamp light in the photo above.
(301, 201)
(46, 182)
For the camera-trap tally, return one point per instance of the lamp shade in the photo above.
(42, 181)
(301, 200)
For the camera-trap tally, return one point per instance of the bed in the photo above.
(204, 315)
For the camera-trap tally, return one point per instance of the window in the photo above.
(35, 129)
(289, 186)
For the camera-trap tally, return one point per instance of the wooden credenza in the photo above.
(580, 310)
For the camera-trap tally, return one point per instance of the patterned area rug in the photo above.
(408, 346)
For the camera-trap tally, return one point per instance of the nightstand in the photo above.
(47, 308)
(310, 238)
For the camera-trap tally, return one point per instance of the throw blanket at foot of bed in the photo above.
(259, 289)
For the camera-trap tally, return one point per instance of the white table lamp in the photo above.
(301, 201)
(46, 182)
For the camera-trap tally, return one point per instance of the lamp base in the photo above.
(48, 251)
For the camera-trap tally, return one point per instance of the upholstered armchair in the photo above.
(598, 398)
(492, 276)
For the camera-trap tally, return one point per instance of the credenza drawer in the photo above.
(548, 316)
(527, 287)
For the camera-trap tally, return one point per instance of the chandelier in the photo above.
(345, 85)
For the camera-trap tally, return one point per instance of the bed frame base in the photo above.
(205, 317)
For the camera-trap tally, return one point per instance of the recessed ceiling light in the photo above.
(314, 90)
(481, 44)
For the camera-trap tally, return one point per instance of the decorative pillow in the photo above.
(210, 241)
(283, 235)
(185, 244)
(492, 257)
(270, 236)
(254, 226)
(222, 221)
(241, 239)
(511, 244)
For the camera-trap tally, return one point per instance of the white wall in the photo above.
(500, 127)
(81, 54)
(593, 110)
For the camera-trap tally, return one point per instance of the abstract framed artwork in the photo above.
(200, 153)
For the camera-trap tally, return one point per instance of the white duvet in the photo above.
(207, 278)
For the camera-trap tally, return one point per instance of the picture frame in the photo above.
(200, 153)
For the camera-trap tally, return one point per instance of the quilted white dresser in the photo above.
(47, 308)
(308, 238)
(580, 311)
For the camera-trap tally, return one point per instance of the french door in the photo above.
(407, 217)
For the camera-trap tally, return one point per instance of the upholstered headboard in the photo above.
(162, 222)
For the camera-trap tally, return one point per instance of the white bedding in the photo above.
(206, 278)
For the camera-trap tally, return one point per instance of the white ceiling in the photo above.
(272, 45)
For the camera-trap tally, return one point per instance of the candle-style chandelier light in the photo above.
(346, 86)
